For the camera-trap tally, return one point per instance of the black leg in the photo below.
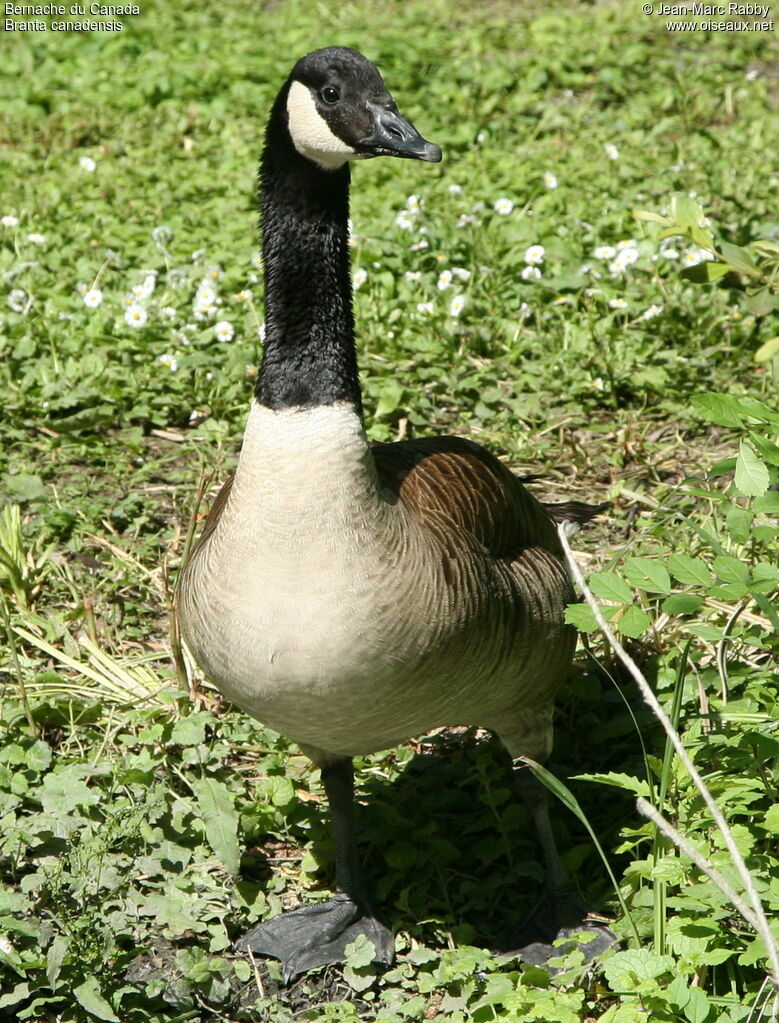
(315, 935)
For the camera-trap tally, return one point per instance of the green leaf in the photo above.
(647, 574)
(682, 604)
(767, 350)
(740, 259)
(722, 409)
(752, 478)
(220, 819)
(619, 781)
(771, 822)
(634, 622)
(691, 571)
(89, 997)
(625, 970)
(55, 956)
(582, 617)
(765, 448)
(277, 790)
(609, 586)
(706, 272)
(191, 729)
(698, 1007)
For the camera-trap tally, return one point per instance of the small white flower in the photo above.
(626, 243)
(167, 312)
(9, 220)
(170, 361)
(135, 315)
(465, 219)
(503, 206)
(456, 305)
(669, 253)
(413, 205)
(257, 261)
(455, 190)
(622, 260)
(751, 74)
(605, 252)
(17, 300)
(197, 255)
(197, 415)
(261, 331)
(617, 303)
(694, 256)
(598, 384)
(592, 292)
(146, 289)
(359, 277)
(611, 151)
(412, 276)
(86, 163)
(550, 180)
(423, 243)
(524, 311)
(426, 307)
(444, 280)
(585, 269)
(535, 255)
(206, 293)
(214, 273)
(224, 330)
(530, 273)
(404, 221)
(36, 238)
(93, 298)
(243, 296)
(461, 273)
(651, 312)
(161, 235)
(203, 310)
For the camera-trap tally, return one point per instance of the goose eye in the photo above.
(330, 94)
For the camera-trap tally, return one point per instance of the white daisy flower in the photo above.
(626, 243)
(550, 180)
(86, 163)
(530, 273)
(651, 312)
(694, 256)
(257, 260)
(598, 384)
(36, 238)
(135, 315)
(503, 206)
(404, 221)
(455, 190)
(146, 289)
(456, 305)
(611, 151)
(243, 296)
(444, 280)
(224, 330)
(622, 260)
(465, 219)
(17, 300)
(359, 277)
(535, 255)
(423, 243)
(426, 307)
(167, 312)
(412, 276)
(206, 293)
(617, 303)
(92, 298)
(605, 252)
(461, 273)
(9, 220)
(413, 205)
(170, 361)
(203, 310)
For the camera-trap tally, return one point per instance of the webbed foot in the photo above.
(315, 935)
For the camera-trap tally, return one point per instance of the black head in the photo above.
(339, 109)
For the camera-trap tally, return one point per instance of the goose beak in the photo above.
(392, 135)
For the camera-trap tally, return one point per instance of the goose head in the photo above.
(337, 108)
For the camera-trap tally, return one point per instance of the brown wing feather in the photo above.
(452, 484)
(213, 516)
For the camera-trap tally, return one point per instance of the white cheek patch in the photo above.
(310, 133)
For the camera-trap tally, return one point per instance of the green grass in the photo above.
(125, 810)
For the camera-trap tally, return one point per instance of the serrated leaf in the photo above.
(89, 997)
(609, 586)
(277, 790)
(752, 478)
(698, 1007)
(220, 819)
(765, 448)
(625, 970)
(55, 956)
(618, 781)
(767, 350)
(722, 409)
(634, 622)
(190, 730)
(689, 570)
(648, 574)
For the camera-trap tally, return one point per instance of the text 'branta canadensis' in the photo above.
(354, 596)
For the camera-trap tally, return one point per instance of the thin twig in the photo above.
(760, 921)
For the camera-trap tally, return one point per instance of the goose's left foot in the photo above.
(316, 935)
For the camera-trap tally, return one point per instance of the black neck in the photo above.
(309, 357)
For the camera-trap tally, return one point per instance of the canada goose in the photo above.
(350, 595)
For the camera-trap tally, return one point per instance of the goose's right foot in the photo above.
(316, 935)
